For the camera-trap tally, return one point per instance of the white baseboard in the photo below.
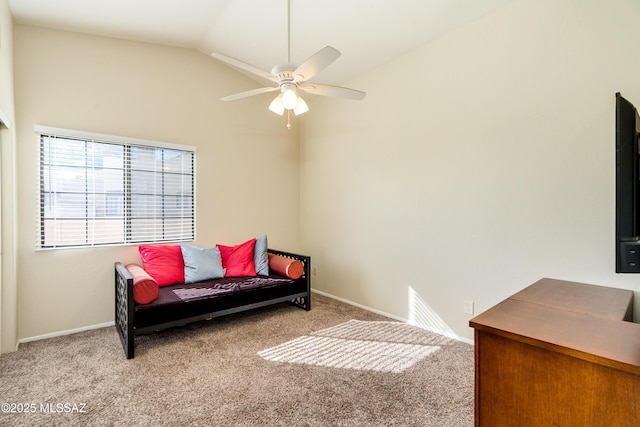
(392, 316)
(67, 332)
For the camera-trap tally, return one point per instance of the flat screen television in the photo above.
(627, 187)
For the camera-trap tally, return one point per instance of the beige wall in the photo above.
(476, 164)
(6, 61)
(8, 288)
(247, 161)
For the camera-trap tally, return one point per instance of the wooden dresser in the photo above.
(558, 353)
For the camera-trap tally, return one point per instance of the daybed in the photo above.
(182, 303)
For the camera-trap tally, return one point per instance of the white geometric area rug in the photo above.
(373, 346)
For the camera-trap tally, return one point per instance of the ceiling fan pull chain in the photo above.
(288, 119)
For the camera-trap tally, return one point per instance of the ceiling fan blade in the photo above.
(249, 93)
(243, 66)
(316, 63)
(337, 91)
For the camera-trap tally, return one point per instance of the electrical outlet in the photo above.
(315, 270)
(468, 307)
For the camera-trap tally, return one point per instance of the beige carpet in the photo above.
(335, 365)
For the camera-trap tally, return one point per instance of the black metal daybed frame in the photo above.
(297, 292)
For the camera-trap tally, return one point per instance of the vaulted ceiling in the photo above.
(367, 32)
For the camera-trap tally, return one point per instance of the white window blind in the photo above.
(102, 192)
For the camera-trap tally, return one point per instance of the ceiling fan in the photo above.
(289, 80)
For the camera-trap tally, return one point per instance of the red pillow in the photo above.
(145, 289)
(238, 260)
(163, 262)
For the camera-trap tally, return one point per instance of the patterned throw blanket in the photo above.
(208, 289)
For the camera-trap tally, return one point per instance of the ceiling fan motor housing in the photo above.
(285, 73)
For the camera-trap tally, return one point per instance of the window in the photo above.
(104, 190)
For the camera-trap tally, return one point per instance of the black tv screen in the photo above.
(627, 187)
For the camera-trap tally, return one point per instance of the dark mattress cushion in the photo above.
(182, 301)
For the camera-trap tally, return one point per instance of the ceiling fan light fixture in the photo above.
(276, 105)
(289, 99)
(301, 107)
